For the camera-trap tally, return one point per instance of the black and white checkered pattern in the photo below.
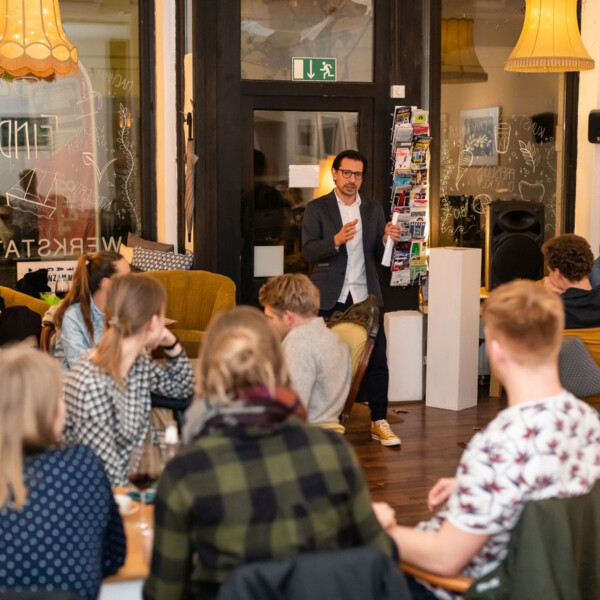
(152, 260)
(113, 419)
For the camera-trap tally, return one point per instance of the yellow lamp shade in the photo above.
(326, 183)
(459, 61)
(550, 39)
(32, 40)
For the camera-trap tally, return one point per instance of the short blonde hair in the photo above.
(29, 394)
(528, 319)
(293, 292)
(239, 349)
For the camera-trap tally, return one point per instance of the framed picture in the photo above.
(479, 130)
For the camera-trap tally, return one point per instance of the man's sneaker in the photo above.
(381, 431)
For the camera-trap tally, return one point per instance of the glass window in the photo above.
(275, 31)
(283, 138)
(500, 131)
(70, 153)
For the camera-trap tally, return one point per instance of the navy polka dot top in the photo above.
(69, 534)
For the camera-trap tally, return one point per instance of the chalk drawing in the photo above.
(531, 192)
(530, 153)
(95, 99)
(480, 203)
(24, 197)
(123, 139)
(88, 160)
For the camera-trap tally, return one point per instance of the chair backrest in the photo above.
(591, 339)
(354, 574)
(357, 326)
(48, 337)
(578, 372)
(194, 297)
(554, 552)
(15, 298)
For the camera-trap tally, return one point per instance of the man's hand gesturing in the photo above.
(346, 233)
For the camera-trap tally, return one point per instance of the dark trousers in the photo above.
(377, 375)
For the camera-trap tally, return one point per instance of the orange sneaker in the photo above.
(382, 432)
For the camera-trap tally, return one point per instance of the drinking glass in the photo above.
(145, 465)
(62, 287)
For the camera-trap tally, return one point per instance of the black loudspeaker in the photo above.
(514, 236)
(594, 127)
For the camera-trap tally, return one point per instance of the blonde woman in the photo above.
(79, 318)
(59, 525)
(256, 482)
(108, 391)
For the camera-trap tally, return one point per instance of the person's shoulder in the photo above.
(319, 203)
(73, 313)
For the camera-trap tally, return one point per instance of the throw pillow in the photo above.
(150, 260)
(136, 241)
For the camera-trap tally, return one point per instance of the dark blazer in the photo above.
(322, 220)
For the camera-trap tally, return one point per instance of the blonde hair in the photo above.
(239, 349)
(132, 301)
(293, 292)
(528, 319)
(29, 394)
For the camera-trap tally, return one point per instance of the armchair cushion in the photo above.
(155, 260)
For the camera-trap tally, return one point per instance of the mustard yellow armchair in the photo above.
(194, 298)
(13, 298)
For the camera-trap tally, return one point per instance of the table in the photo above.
(128, 581)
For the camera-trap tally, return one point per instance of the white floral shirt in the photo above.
(546, 448)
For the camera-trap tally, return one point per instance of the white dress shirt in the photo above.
(355, 280)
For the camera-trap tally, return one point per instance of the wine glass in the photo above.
(62, 287)
(145, 465)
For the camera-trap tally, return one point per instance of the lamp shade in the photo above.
(459, 61)
(32, 40)
(550, 39)
(326, 183)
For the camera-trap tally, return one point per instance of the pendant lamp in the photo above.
(32, 40)
(550, 39)
(459, 61)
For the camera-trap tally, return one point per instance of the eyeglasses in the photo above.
(346, 174)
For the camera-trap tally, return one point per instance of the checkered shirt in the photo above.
(113, 419)
(233, 498)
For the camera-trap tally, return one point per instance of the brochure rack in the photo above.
(410, 142)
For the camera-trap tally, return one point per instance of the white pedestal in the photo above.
(453, 327)
(404, 333)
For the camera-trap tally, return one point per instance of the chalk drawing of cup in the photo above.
(502, 137)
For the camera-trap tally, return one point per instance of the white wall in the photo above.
(587, 202)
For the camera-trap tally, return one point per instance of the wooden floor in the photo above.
(430, 450)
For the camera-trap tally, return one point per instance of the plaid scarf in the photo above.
(251, 407)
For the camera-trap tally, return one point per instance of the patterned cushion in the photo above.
(152, 260)
(578, 372)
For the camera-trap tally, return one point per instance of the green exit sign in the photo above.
(313, 69)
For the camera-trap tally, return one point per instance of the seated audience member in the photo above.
(569, 260)
(79, 318)
(256, 482)
(317, 359)
(59, 524)
(108, 391)
(528, 452)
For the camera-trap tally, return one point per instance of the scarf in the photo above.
(249, 407)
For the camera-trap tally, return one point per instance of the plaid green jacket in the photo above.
(230, 499)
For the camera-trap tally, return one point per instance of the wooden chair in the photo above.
(48, 337)
(358, 327)
(553, 553)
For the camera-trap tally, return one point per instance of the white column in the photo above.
(587, 202)
(167, 122)
(453, 327)
(404, 333)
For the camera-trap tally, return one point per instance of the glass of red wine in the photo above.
(62, 287)
(145, 465)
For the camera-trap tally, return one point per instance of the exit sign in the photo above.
(314, 69)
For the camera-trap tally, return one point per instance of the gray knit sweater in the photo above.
(320, 368)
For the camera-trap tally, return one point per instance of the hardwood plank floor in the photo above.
(430, 450)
